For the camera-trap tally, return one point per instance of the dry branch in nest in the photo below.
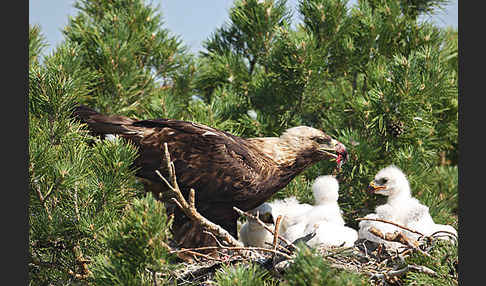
(189, 208)
(396, 236)
(392, 223)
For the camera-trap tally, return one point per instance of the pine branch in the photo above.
(42, 200)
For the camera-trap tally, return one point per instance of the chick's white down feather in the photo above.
(326, 195)
(400, 208)
(290, 209)
(324, 218)
(331, 234)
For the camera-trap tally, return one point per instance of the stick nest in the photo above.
(383, 266)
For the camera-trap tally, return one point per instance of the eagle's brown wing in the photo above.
(224, 170)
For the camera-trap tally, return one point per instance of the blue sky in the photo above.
(192, 20)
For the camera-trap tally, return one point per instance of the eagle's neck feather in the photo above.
(285, 154)
(290, 156)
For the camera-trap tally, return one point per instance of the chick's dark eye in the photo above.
(382, 181)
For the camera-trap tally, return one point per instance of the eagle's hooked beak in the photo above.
(336, 150)
(373, 187)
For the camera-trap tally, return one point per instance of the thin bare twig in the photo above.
(390, 273)
(398, 272)
(275, 235)
(232, 248)
(204, 255)
(447, 233)
(214, 237)
(392, 223)
(422, 269)
(42, 200)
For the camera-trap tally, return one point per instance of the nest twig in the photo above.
(249, 248)
(392, 223)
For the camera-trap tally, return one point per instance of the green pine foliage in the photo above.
(443, 261)
(37, 42)
(371, 75)
(309, 268)
(77, 185)
(135, 57)
(243, 274)
(135, 246)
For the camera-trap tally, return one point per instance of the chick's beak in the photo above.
(373, 187)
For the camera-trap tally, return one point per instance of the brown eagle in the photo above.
(223, 169)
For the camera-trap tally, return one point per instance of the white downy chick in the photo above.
(326, 195)
(324, 217)
(252, 233)
(400, 208)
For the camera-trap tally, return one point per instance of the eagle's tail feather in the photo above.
(100, 124)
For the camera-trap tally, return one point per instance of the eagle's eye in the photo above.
(321, 140)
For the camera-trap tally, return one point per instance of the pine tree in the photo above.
(136, 247)
(77, 185)
(135, 57)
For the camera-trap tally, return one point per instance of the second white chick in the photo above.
(324, 217)
(252, 233)
(326, 195)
